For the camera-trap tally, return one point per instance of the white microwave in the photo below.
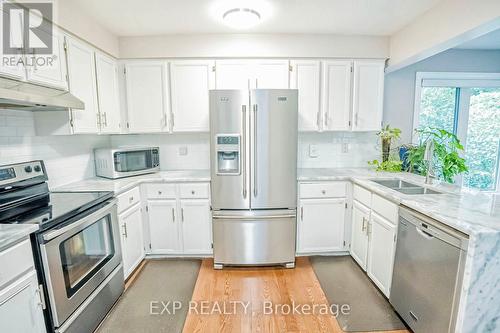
(125, 162)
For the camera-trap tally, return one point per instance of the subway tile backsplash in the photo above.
(70, 158)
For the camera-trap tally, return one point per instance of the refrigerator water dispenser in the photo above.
(228, 154)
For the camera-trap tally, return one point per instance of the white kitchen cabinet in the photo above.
(21, 306)
(381, 251)
(14, 69)
(368, 95)
(107, 93)
(252, 74)
(82, 84)
(321, 225)
(132, 240)
(53, 74)
(190, 82)
(147, 96)
(336, 96)
(164, 226)
(196, 226)
(306, 77)
(359, 233)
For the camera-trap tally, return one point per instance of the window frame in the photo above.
(462, 81)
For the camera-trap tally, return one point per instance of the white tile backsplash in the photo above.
(67, 158)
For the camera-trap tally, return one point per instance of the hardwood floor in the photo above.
(258, 288)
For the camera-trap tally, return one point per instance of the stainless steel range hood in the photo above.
(18, 95)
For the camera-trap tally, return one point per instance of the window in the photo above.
(468, 105)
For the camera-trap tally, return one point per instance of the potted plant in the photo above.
(387, 135)
(447, 161)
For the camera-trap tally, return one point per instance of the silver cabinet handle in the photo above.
(98, 119)
(125, 234)
(326, 118)
(182, 214)
(356, 119)
(318, 117)
(159, 192)
(173, 121)
(105, 117)
(243, 148)
(255, 150)
(173, 215)
(302, 213)
(130, 199)
(363, 226)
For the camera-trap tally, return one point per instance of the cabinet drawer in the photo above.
(194, 191)
(362, 195)
(385, 208)
(15, 261)
(128, 199)
(160, 191)
(323, 190)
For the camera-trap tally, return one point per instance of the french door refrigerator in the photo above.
(253, 139)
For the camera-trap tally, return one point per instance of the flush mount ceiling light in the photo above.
(241, 18)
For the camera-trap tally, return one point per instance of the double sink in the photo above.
(404, 187)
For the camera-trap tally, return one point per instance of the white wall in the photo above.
(399, 93)
(448, 24)
(255, 45)
(67, 158)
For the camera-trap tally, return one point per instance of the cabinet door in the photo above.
(146, 90)
(82, 84)
(163, 226)
(321, 225)
(190, 82)
(368, 95)
(13, 66)
(336, 95)
(305, 76)
(107, 93)
(270, 74)
(51, 73)
(359, 233)
(21, 307)
(232, 74)
(196, 226)
(381, 252)
(132, 238)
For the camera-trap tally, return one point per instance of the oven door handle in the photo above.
(84, 222)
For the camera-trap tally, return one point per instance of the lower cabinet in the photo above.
(381, 252)
(321, 217)
(359, 233)
(179, 217)
(132, 241)
(163, 226)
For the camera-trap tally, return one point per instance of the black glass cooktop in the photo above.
(57, 207)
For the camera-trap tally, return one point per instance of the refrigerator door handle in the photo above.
(254, 153)
(253, 218)
(243, 148)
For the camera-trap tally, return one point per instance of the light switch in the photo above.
(183, 151)
(313, 151)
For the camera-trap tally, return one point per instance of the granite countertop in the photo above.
(468, 211)
(123, 184)
(10, 234)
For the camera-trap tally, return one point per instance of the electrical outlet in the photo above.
(183, 151)
(345, 147)
(313, 151)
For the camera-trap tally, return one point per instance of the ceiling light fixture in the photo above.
(241, 18)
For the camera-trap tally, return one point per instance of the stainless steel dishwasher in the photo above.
(428, 272)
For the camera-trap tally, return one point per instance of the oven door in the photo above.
(78, 257)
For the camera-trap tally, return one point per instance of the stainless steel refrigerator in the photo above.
(253, 139)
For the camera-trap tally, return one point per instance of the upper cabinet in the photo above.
(190, 82)
(52, 72)
(252, 74)
(14, 68)
(368, 95)
(306, 77)
(147, 96)
(82, 84)
(336, 102)
(107, 94)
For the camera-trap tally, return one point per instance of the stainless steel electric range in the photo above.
(76, 249)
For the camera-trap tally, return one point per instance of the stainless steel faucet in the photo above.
(428, 157)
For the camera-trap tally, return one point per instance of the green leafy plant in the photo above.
(389, 165)
(387, 135)
(446, 162)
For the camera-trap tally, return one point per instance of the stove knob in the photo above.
(28, 169)
(37, 168)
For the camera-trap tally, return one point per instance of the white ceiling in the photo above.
(489, 41)
(158, 17)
